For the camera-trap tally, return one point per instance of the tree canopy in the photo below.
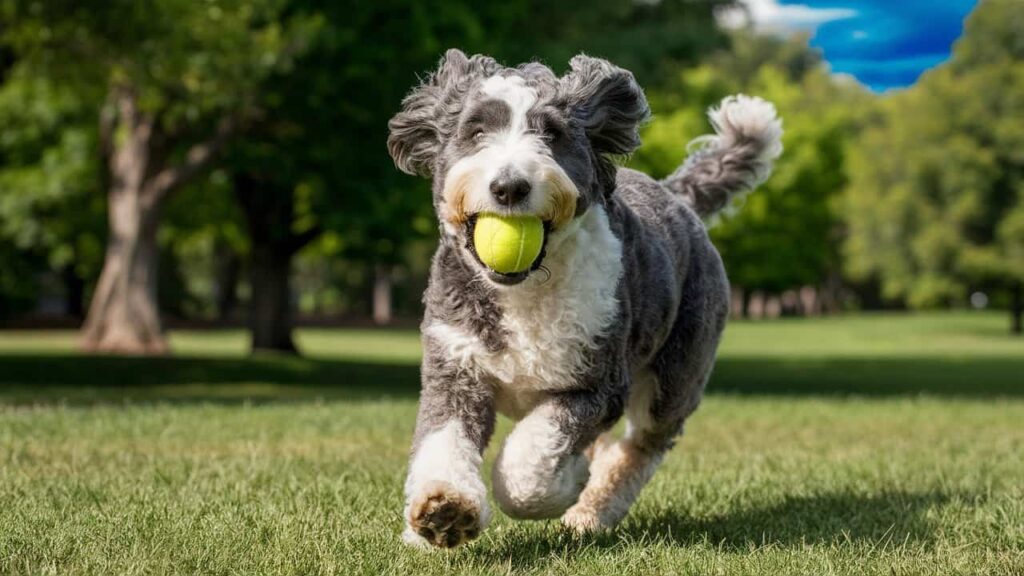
(936, 199)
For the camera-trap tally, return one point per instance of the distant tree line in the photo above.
(935, 205)
(224, 159)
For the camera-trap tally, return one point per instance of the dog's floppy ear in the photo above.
(430, 112)
(607, 102)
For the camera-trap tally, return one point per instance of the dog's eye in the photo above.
(477, 134)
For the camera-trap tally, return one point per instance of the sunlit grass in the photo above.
(946, 335)
(958, 334)
(863, 445)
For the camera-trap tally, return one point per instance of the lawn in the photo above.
(859, 445)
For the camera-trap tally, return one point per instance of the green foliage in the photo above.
(313, 83)
(49, 173)
(202, 228)
(936, 183)
(185, 58)
(190, 69)
(786, 233)
(936, 202)
(18, 285)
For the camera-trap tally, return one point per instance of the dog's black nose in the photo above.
(509, 191)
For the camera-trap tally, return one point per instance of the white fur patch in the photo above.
(515, 148)
(534, 477)
(551, 323)
(748, 117)
(446, 455)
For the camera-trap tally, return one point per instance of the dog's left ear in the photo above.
(429, 113)
(607, 101)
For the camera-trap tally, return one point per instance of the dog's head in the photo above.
(517, 141)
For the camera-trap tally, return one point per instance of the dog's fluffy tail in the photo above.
(734, 160)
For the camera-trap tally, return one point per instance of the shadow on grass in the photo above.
(894, 517)
(103, 379)
(74, 379)
(888, 520)
(960, 377)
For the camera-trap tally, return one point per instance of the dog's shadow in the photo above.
(890, 519)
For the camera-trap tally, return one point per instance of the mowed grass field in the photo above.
(857, 445)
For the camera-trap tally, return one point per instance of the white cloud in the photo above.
(774, 18)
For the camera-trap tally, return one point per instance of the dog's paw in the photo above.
(443, 517)
(582, 519)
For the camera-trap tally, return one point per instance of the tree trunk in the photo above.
(74, 292)
(123, 316)
(735, 301)
(227, 272)
(748, 296)
(1017, 308)
(270, 316)
(382, 294)
(269, 213)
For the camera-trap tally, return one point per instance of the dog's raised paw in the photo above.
(443, 517)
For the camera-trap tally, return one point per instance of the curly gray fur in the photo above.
(429, 113)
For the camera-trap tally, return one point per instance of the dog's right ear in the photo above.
(607, 101)
(430, 113)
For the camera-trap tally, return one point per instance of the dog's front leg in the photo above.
(542, 466)
(446, 500)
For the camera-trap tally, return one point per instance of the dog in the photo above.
(620, 315)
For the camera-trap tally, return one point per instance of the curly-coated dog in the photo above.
(621, 313)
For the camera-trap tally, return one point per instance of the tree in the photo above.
(936, 201)
(172, 82)
(270, 212)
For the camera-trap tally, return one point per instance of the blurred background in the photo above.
(210, 280)
(183, 164)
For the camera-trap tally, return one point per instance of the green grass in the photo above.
(862, 445)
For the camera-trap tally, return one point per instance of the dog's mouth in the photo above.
(510, 279)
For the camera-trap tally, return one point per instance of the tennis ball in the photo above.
(508, 244)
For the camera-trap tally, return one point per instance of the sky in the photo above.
(884, 44)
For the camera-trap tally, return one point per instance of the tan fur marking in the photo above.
(617, 473)
(603, 441)
(561, 205)
(455, 193)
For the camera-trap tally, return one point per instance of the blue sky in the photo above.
(882, 43)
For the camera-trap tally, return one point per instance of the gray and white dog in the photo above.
(622, 312)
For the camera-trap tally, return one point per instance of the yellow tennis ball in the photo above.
(508, 244)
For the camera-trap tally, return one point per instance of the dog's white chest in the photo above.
(550, 324)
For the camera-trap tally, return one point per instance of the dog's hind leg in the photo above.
(619, 469)
(662, 396)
